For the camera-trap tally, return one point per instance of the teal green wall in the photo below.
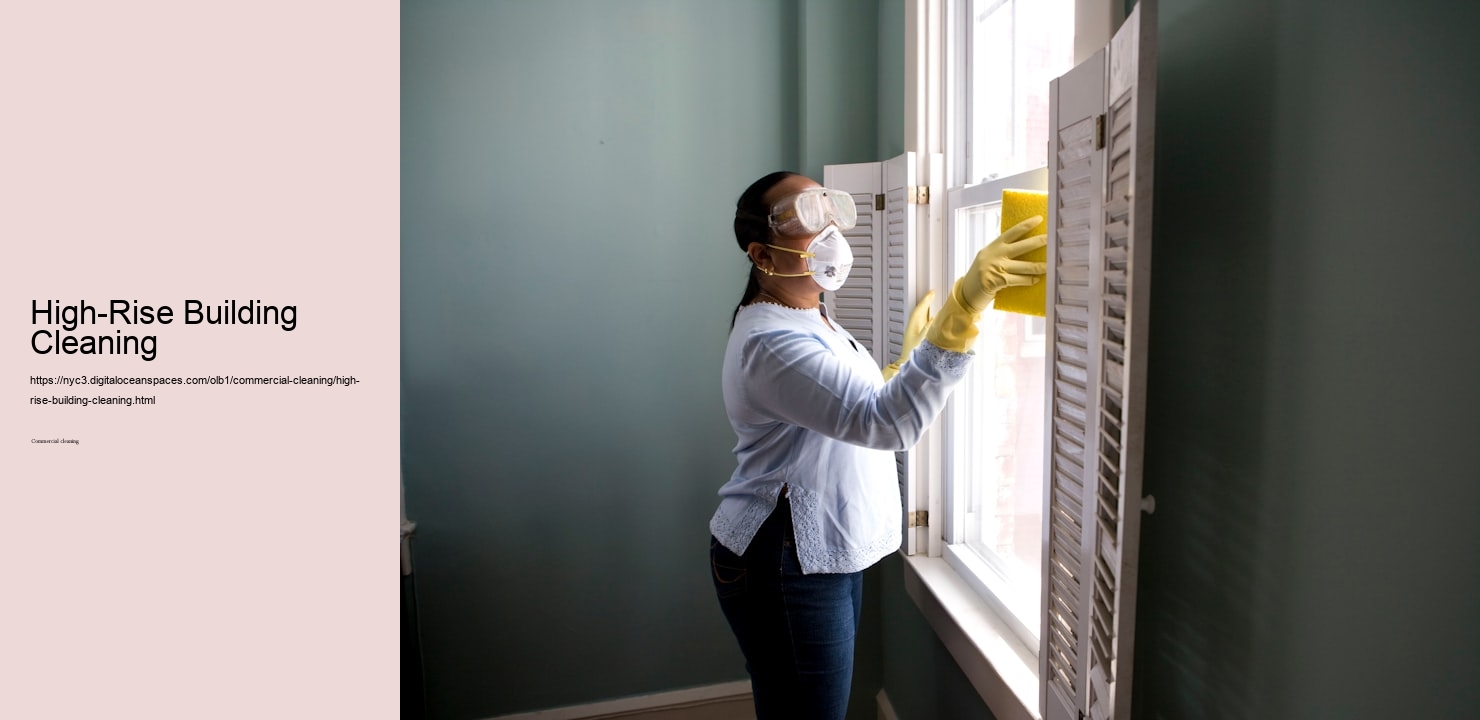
(890, 108)
(1313, 387)
(569, 172)
(1313, 403)
(839, 80)
(920, 676)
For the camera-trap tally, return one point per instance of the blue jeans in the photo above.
(796, 630)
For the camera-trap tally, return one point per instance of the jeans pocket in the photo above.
(727, 570)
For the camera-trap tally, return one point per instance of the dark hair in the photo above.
(752, 225)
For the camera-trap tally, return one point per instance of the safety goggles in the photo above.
(811, 210)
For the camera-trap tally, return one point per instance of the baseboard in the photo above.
(886, 709)
(634, 708)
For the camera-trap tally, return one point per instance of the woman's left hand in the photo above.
(914, 331)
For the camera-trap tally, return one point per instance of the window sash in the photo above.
(1017, 598)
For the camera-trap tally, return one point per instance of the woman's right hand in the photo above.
(995, 267)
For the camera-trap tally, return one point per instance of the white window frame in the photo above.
(995, 650)
(978, 572)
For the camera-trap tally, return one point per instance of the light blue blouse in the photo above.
(812, 412)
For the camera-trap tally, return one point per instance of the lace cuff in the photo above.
(951, 364)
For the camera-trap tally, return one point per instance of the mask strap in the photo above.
(803, 253)
(773, 273)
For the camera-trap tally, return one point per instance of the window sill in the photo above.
(1003, 670)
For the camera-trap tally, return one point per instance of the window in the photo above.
(1009, 51)
(1022, 522)
(1012, 49)
(1029, 578)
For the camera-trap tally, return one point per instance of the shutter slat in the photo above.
(1069, 371)
(1073, 347)
(1073, 393)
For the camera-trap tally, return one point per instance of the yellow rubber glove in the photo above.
(914, 331)
(993, 269)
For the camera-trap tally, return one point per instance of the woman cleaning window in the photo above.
(814, 499)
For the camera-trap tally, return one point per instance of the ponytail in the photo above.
(752, 225)
(752, 288)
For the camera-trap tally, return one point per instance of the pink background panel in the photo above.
(229, 552)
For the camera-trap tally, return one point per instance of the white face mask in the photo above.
(829, 258)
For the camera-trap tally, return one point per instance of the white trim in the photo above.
(935, 85)
(924, 76)
(988, 582)
(1002, 669)
(886, 708)
(657, 702)
(955, 77)
(990, 191)
(931, 272)
(914, 81)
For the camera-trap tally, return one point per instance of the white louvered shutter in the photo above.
(1075, 186)
(1099, 256)
(880, 292)
(899, 236)
(856, 305)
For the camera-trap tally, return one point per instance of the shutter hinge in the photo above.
(1099, 132)
(919, 194)
(879, 202)
(920, 518)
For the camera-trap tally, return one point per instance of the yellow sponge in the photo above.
(1017, 206)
